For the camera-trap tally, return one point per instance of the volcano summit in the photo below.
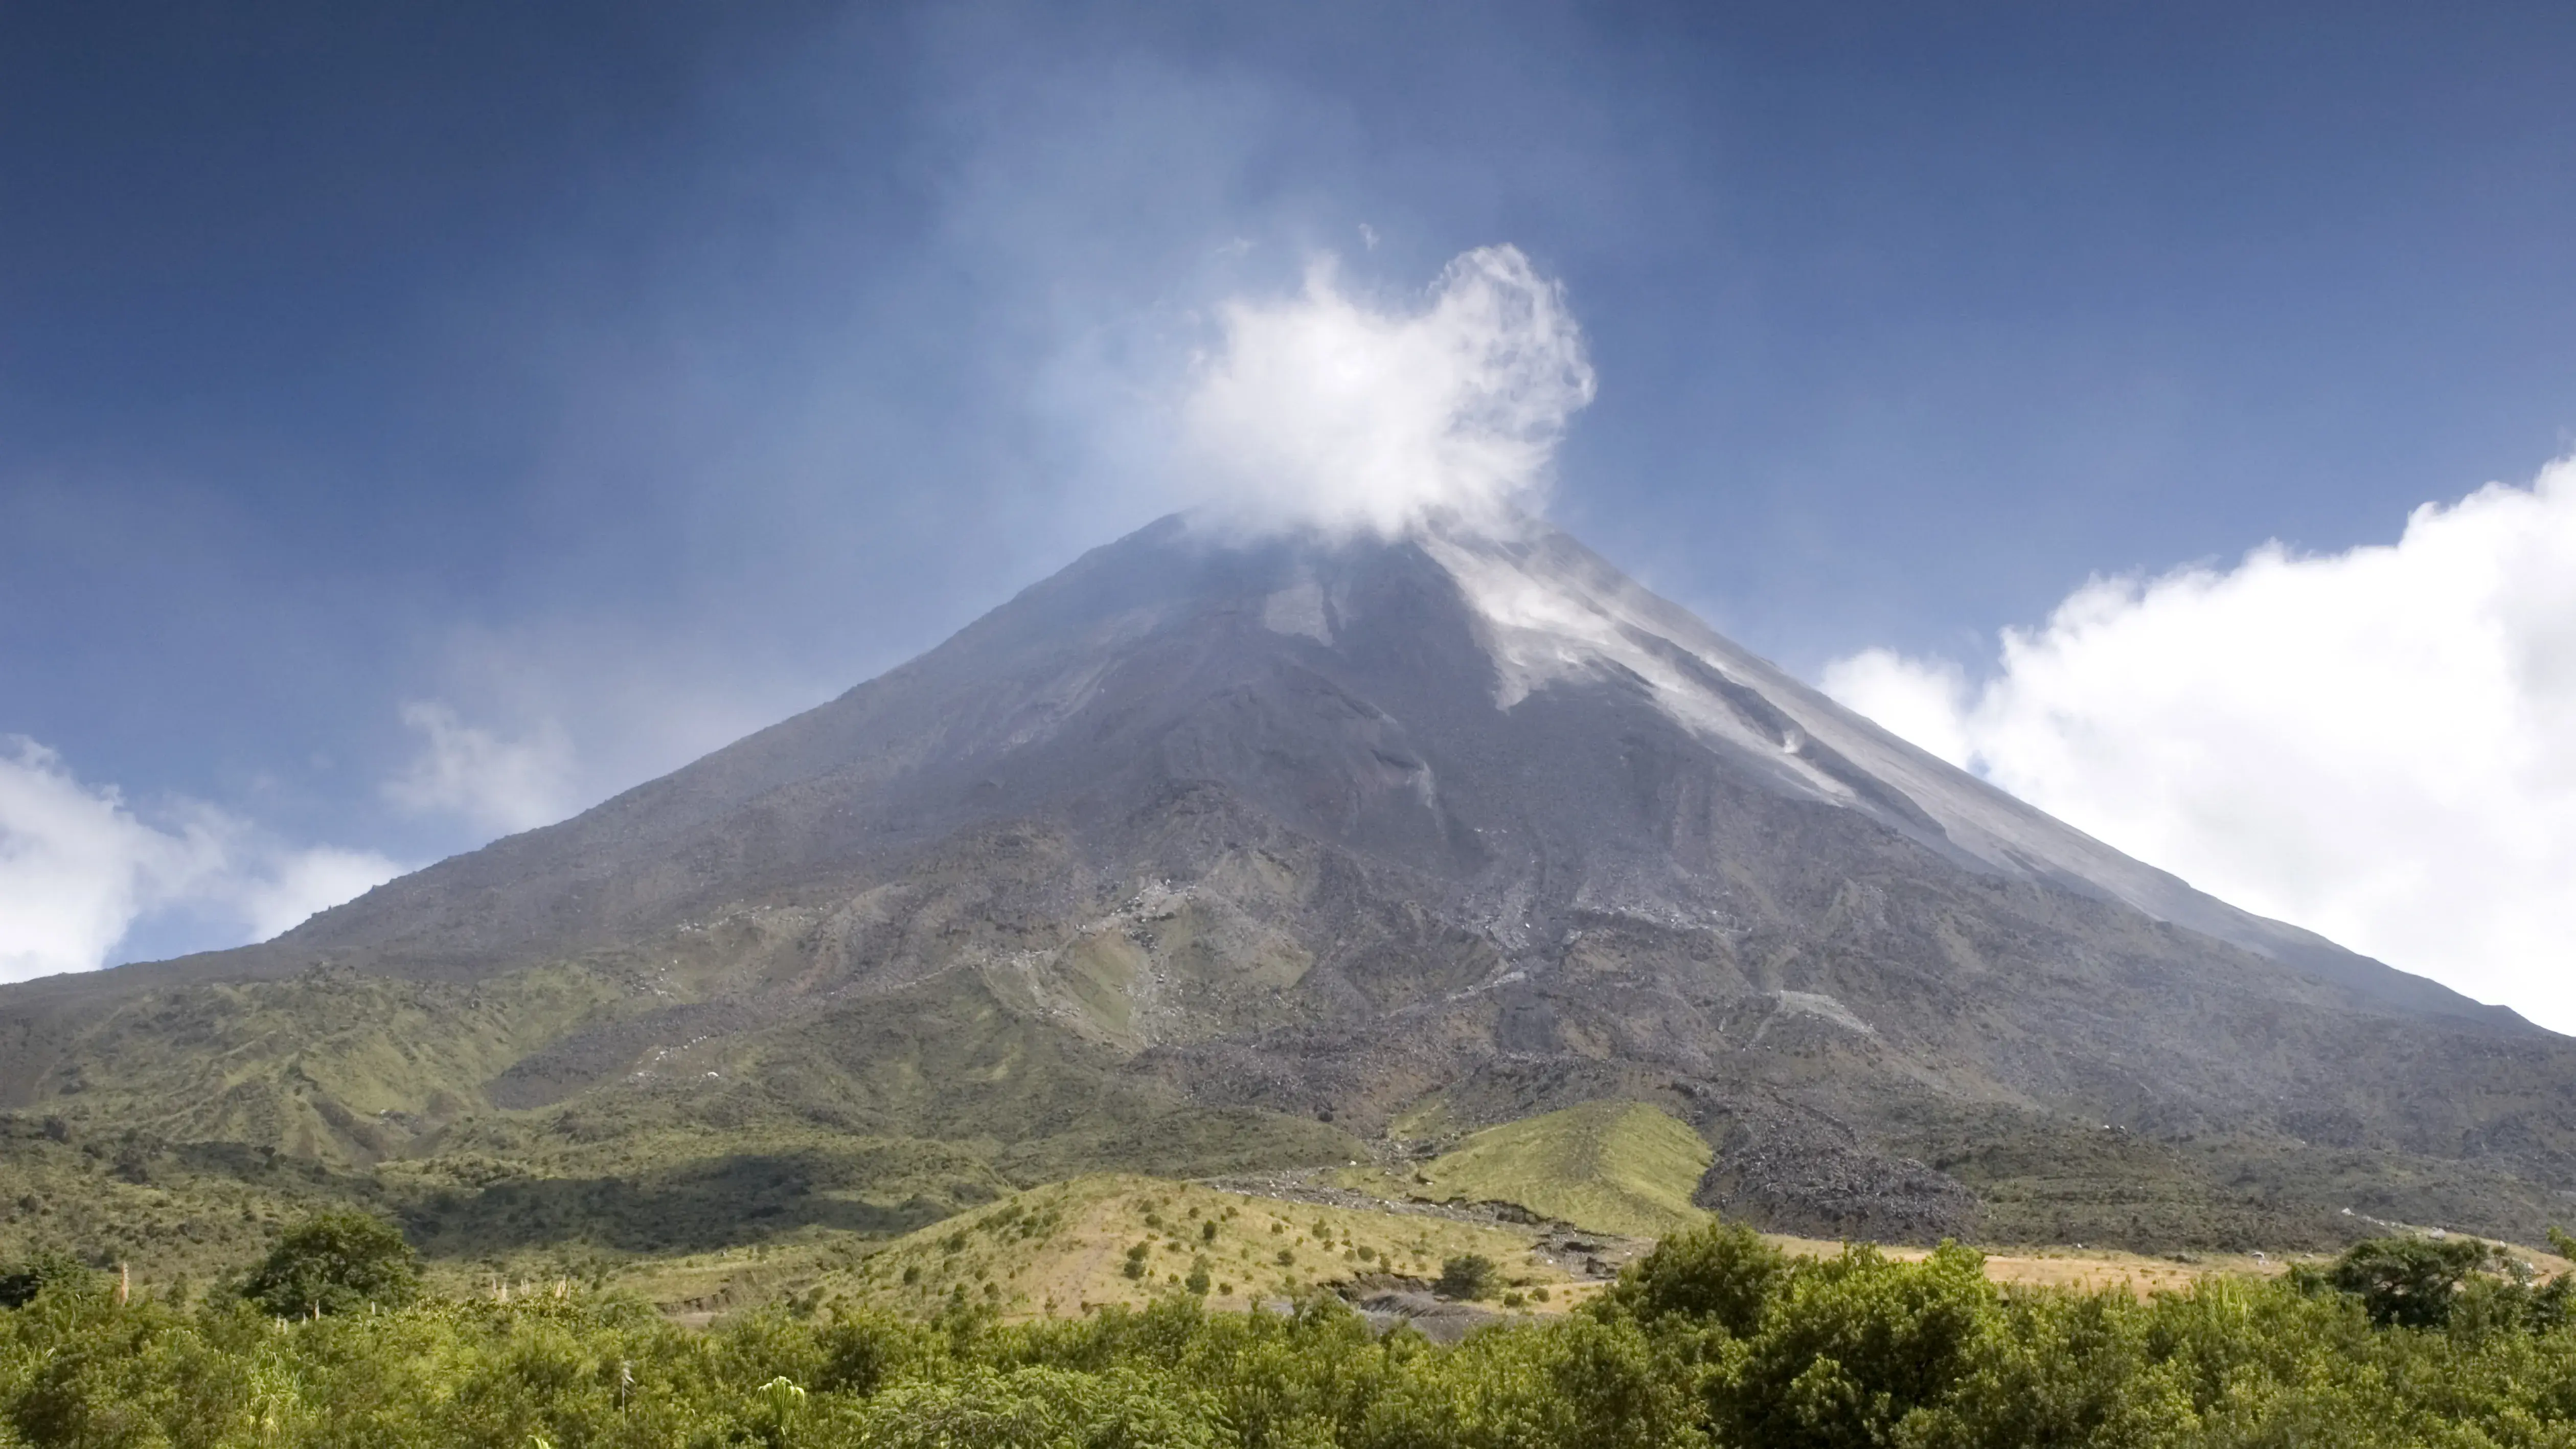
(1207, 855)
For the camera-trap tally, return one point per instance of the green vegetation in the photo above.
(1714, 1341)
(507, 1125)
(1723, 1276)
(1613, 1167)
(545, 1200)
(329, 1065)
(1115, 1239)
(2042, 1181)
(336, 1263)
(20, 1283)
(2421, 1282)
(1469, 1276)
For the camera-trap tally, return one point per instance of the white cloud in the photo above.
(1922, 700)
(78, 867)
(2379, 745)
(497, 783)
(1323, 411)
(304, 882)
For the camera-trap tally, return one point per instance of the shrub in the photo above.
(1857, 1351)
(861, 1352)
(335, 1262)
(1720, 1273)
(2410, 1282)
(1039, 1408)
(1854, 1345)
(21, 1282)
(1469, 1276)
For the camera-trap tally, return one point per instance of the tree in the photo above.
(863, 1350)
(335, 1262)
(1854, 1345)
(1718, 1273)
(21, 1282)
(1468, 1276)
(2409, 1282)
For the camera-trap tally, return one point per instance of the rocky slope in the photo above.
(1203, 854)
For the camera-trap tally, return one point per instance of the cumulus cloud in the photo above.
(2379, 745)
(78, 867)
(1324, 411)
(496, 782)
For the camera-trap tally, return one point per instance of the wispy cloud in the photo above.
(494, 781)
(298, 884)
(1323, 410)
(79, 867)
(2379, 744)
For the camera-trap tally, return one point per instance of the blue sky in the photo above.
(390, 391)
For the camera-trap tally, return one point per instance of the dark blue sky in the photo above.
(631, 374)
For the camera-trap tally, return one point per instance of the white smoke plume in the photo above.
(1322, 411)
(2379, 745)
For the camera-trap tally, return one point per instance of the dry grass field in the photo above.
(1128, 1240)
(1076, 1246)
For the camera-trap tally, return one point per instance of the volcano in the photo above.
(1208, 855)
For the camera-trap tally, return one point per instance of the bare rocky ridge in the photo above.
(1289, 834)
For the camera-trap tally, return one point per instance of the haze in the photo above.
(416, 427)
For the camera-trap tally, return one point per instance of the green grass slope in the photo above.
(1614, 1167)
(330, 1065)
(180, 1130)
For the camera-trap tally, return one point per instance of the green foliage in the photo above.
(21, 1282)
(1469, 1276)
(1721, 1274)
(1039, 1408)
(1709, 1343)
(2411, 1282)
(1852, 1347)
(333, 1263)
(860, 1353)
(2039, 1180)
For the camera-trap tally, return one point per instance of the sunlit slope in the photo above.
(1613, 1167)
(1055, 1249)
(330, 1066)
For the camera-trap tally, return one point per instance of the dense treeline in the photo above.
(1713, 1340)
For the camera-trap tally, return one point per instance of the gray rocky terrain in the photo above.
(1204, 855)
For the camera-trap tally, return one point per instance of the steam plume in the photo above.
(1323, 412)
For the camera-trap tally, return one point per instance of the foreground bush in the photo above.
(1710, 1342)
(336, 1263)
